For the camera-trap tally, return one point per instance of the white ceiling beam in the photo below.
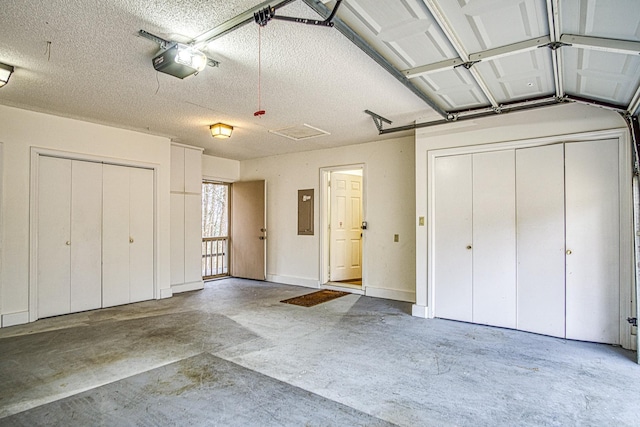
(553, 14)
(450, 34)
(499, 52)
(512, 49)
(625, 47)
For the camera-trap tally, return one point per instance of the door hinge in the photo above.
(633, 321)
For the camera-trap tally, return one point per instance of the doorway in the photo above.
(215, 230)
(341, 226)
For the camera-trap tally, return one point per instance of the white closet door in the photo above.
(141, 234)
(192, 238)
(177, 239)
(593, 247)
(453, 238)
(115, 237)
(494, 239)
(540, 240)
(86, 236)
(192, 171)
(54, 236)
(177, 168)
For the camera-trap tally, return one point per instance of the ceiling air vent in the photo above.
(300, 132)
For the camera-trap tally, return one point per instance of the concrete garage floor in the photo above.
(232, 354)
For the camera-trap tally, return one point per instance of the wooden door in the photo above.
(54, 236)
(346, 233)
(86, 236)
(592, 241)
(540, 240)
(453, 294)
(494, 239)
(115, 237)
(248, 229)
(141, 197)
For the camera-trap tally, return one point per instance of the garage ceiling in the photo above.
(441, 60)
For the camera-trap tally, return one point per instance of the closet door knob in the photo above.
(130, 239)
(468, 246)
(569, 252)
(68, 243)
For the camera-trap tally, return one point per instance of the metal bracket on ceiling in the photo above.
(555, 45)
(467, 65)
(165, 44)
(263, 16)
(377, 119)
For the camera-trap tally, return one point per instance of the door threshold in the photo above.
(344, 287)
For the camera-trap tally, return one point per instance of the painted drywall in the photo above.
(389, 206)
(220, 169)
(19, 131)
(557, 120)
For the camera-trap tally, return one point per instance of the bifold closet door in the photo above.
(86, 236)
(494, 239)
(54, 236)
(141, 222)
(127, 235)
(593, 246)
(453, 293)
(115, 271)
(540, 240)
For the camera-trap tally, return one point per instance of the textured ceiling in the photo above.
(84, 59)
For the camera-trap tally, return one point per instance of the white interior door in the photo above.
(346, 220)
(592, 241)
(140, 234)
(54, 236)
(540, 240)
(115, 237)
(248, 228)
(494, 239)
(453, 293)
(86, 236)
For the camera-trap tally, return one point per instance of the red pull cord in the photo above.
(260, 112)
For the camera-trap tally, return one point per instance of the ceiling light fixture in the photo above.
(180, 60)
(220, 130)
(5, 73)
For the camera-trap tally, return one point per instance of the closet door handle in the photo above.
(468, 246)
(569, 252)
(68, 243)
(130, 239)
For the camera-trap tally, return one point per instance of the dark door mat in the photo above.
(203, 390)
(315, 298)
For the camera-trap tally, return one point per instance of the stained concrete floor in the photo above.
(352, 361)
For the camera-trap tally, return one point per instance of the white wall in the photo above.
(219, 169)
(19, 131)
(389, 206)
(546, 122)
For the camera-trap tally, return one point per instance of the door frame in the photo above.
(36, 153)
(626, 221)
(324, 219)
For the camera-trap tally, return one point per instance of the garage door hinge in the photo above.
(633, 320)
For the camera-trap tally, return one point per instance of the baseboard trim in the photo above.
(296, 281)
(13, 319)
(335, 287)
(166, 293)
(187, 287)
(394, 294)
(419, 311)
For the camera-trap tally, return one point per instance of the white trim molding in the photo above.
(295, 281)
(394, 294)
(13, 319)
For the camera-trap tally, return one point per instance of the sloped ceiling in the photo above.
(85, 59)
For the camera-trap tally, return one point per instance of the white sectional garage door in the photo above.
(529, 239)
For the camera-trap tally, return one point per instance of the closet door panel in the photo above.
(540, 240)
(54, 236)
(141, 219)
(177, 168)
(192, 171)
(86, 236)
(453, 238)
(115, 243)
(192, 238)
(177, 239)
(494, 239)
(593, 247)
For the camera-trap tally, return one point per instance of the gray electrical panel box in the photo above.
(305, 212)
